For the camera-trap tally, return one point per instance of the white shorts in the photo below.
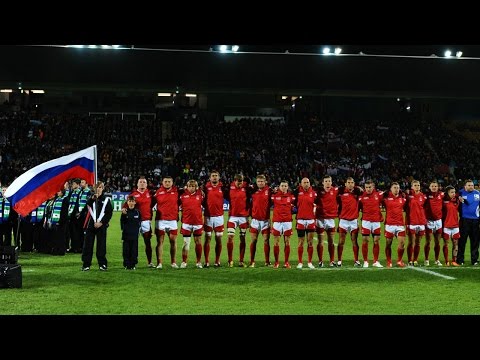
(214, 222)
(347, 226)
(394, 230)
(146, 226)
(166, 225)
(237, 221)
(187, 229)
(258, 226)
(303, 224)
(370, 227)
(451, 233)
(417, 229)
(325, 224)
(434, 226)
(284, 227)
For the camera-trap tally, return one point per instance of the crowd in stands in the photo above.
(398, 147)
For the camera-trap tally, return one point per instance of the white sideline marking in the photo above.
(27, 270)
(431, 272)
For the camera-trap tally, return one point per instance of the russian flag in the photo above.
(42, 182)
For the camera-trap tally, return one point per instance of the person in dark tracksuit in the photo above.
(469, 223)
(98, 212)
(130, 222)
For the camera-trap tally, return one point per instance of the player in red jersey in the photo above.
(326, 212)
(167, 197)
(416, 221)
(348, 196)
(213, 204)
(395, 204)
(145, 202)
(370, 202)
(451, 228)
(238, 216)
(305, 198)
(260, 212)
(192, 221)
(282, 221)
(433, 211)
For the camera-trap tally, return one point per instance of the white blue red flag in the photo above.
(36, 185)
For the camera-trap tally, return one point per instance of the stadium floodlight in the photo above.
(6, 90)
(76, 46)
(448, 53)
(223, 48)
(164, 94)
(105, 46)
(235, 48)
(338, 51)
(191, 95)
(92, 46)
(459, 54)
(284, 97)
(38, 91)
(115, 46)
(326, 50)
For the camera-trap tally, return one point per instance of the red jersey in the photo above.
(416, 208)
(192, 207)
(450, 213)
(394, 206)
(145, 202)
(434, 204)
(282, 206)
(305, 203)
(349, 203)
(167, 203)
(370, 206)
(238, 200)
(213, 203)
(261, 203)
(327, 205)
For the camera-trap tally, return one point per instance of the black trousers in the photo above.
(58, 240)
(6, 234)
(130, 252)
(26, 231)
(468, 228)
(87, 253)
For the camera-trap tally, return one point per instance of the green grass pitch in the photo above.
(55, 285)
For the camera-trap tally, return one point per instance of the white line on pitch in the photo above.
(431, 273)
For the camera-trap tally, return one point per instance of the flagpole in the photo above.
(95, 162)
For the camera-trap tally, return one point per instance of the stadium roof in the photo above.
(299, 69)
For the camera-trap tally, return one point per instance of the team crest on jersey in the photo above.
(288, 199)
(311, 195)
(266, 192)
(161, 193)
(476, 197)
(197, 197)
